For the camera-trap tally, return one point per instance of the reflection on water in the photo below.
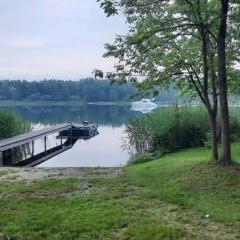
(103, 150)
(114, 116)
(17, 154)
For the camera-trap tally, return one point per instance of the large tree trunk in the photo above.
(214, 113)
(214, 136)
(222, 82)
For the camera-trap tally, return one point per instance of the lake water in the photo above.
(104, 150)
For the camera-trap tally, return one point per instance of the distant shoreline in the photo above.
(60, 103)
(81, 103)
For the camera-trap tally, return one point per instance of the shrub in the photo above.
(11, 124)
(167, 130)
(173, 128)
(234, 126)
(176, 128)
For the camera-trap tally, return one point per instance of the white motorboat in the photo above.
(144, 105)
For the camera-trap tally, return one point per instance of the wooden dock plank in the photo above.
(12, 142)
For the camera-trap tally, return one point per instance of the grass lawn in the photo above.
(180, 196)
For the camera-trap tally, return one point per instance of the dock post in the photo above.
(45, 143)
(1, 158)
(32, 148)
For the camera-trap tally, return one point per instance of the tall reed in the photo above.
(11, 124)
(167, 129)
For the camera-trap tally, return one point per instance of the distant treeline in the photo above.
(86, 90)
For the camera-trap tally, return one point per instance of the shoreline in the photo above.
(33, 174)
(59, 103)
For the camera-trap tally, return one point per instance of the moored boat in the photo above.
(144, 105)
(81, 131)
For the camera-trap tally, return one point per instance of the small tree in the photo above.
(175, 42)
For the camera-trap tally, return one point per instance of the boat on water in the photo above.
(82, 131)
(145, 105)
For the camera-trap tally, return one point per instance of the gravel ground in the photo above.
(32, 174)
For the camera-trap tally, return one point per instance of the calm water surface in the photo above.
(104, 150)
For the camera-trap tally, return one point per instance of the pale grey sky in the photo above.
(61, 39)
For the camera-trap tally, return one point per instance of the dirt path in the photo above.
(33, 174)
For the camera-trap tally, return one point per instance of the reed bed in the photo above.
(173, 128)
(11, 124)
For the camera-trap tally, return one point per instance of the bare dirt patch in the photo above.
(33, 174)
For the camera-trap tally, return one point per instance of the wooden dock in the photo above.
(16, 141)
(21, 142)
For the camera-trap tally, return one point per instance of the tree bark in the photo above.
(222, 83)
(213, 126)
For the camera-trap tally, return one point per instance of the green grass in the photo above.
(167, 198)
(62, 209)
(5, 172)
(189, 179)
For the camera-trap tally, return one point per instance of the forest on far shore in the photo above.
(86, 90)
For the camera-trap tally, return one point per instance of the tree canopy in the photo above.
(165, 43)
(86, 90)
(181, 42)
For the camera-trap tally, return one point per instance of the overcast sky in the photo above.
(61, 39)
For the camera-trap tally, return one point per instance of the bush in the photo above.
(167, 130)
(11, 124)
(170, 129)
(234, 126)
(175, 128)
